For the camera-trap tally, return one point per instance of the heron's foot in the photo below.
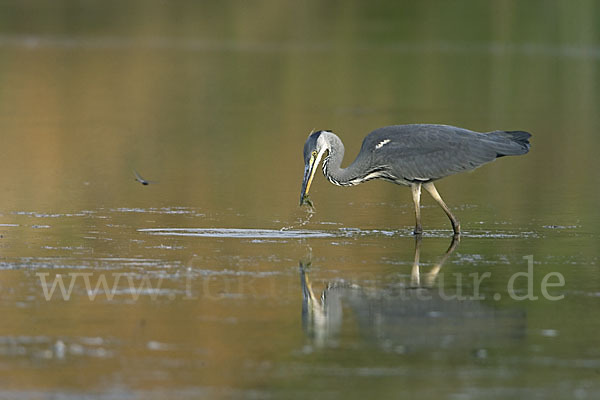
(418, 230)
(456, 228)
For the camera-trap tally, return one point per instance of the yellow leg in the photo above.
(436, 196)
(416, 193)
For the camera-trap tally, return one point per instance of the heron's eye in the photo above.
(314, 153)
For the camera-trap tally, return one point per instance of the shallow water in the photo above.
(213, 283)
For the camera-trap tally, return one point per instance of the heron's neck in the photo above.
(332, 165)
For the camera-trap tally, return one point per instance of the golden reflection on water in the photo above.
(224, 122)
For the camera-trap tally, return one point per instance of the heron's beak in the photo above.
(309, 174)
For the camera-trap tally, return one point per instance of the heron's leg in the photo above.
(436, 196)
(416, 193)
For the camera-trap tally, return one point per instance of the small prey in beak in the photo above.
(310, 167)
(315, 149)
(307, 201)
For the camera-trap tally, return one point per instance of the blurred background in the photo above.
(214, 100)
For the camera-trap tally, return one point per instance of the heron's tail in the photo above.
(510, 143)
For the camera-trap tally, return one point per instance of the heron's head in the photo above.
(315, 147)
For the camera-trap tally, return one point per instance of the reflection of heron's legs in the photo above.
(431, 275)
(415, 279)
(416, 194)
(321, 320)
(307, 291)
(436, 196)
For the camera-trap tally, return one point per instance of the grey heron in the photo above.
(410, 155)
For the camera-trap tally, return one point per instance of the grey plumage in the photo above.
(410, 155)
(425, 152)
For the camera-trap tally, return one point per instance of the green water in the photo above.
(210, 271)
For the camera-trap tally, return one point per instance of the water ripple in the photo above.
(347, 232)
(240, 233)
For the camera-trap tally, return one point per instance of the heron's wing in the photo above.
(425, 152)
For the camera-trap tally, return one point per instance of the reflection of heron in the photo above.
(410, 318)
(410, 155)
